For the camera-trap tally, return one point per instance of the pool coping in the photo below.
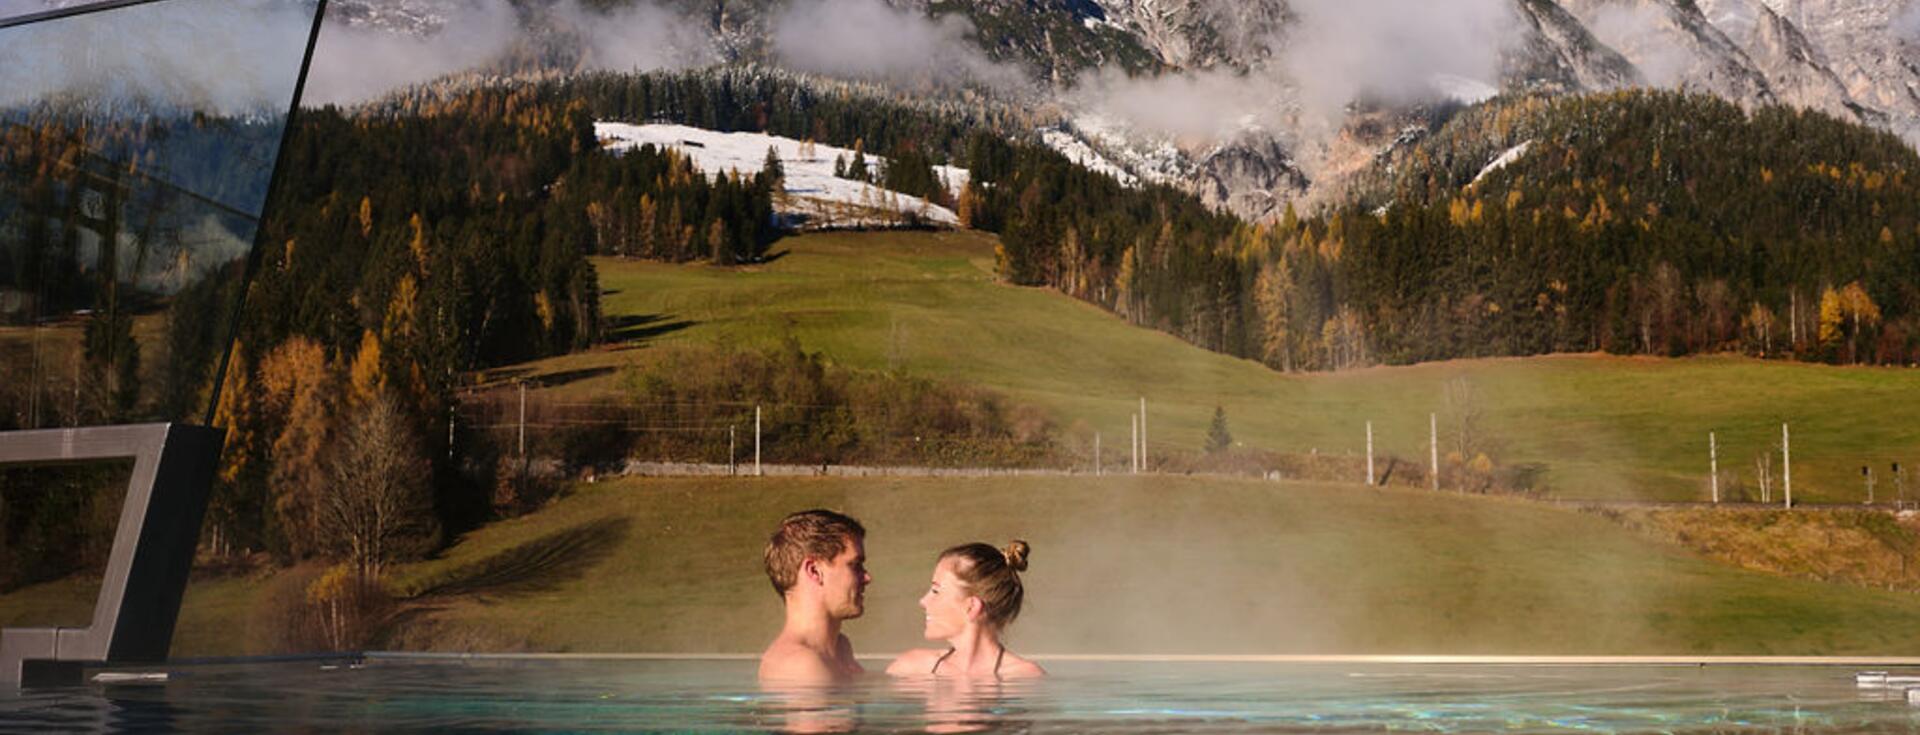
(1398, 659)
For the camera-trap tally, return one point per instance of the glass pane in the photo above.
(136, 147)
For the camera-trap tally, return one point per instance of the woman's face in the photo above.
(948, 603)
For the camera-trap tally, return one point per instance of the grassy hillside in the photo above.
(1139, 565)
(1605, 427)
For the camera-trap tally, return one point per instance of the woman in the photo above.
(975, 595)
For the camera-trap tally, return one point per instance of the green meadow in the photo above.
(1129, 565)
(1158, 563)
(1604, 427)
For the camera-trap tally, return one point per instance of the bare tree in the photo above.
(1464, 415)
(380, 497)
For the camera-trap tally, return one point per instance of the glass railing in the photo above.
(137, 148)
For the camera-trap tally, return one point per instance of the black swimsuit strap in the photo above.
(997, 658)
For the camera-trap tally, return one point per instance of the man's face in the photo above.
(845, 581)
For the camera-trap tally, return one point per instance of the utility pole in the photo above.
(523, 418)
(1433, 448)
(1786, 464)
(1143, 433)
(1713, 463)
(756, 442)
(1369, 453)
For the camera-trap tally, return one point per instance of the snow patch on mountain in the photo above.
(811, 188)
(1077, 151)
(1503, 160)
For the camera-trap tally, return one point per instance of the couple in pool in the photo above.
(817, 562)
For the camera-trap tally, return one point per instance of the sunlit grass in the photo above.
(1605, 427)
(1167, 565)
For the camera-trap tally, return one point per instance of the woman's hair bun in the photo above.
(1016, 553)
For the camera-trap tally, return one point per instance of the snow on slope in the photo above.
(812, 189)
(1079, 152)
(1504, 160)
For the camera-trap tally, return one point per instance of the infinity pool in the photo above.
(401, 694)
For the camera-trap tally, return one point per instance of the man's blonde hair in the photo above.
(817, 534)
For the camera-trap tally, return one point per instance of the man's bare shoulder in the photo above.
(787, 660)
(916, 662)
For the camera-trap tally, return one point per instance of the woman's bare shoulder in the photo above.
(916, 661)
(1017, 667)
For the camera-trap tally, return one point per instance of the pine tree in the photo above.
(1218, 438)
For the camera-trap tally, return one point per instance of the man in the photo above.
(817, 561)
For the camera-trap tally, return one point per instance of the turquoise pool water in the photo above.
(380, 694)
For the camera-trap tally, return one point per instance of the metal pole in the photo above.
(1134, 442)
(1433, 447)
(523, 419)
(1713, 463)
(1369, 453)
(731, 454)
(756, 443)
(1867, 471)
(1097, 471)
(1786, 463)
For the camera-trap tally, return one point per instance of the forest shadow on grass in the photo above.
(537, 565)
(640, 328)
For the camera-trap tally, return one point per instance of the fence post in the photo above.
(1786, 463)
(1143, 433)
(1433, 447)
(1369, 453)
(1713, 463)
(756, 443)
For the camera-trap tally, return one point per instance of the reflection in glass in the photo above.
(56, 530)
(136, 148)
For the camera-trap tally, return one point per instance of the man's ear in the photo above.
(810, 569)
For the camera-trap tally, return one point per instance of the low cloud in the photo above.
(1636, 30)
(643, 37)
(1209, 105)
(243, 58)
(353, 63)
(1393, 49)
(870, 40)
(1906, 23)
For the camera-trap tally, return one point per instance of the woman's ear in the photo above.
(975, 608)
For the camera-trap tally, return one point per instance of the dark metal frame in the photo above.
(174, 464)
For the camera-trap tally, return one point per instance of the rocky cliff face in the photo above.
(1854, 59)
